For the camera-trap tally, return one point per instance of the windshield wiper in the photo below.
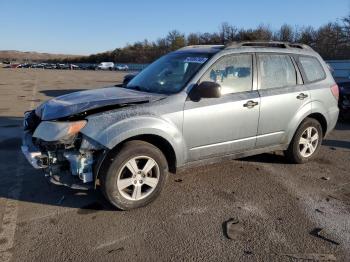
(138, 88)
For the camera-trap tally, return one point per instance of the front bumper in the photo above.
(69, 168)
(31, 152)
(34, 158)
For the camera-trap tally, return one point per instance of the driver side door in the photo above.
(228, 124)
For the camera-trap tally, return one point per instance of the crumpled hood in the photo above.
(79, 102)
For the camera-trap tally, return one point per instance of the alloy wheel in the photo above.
(138, 178)
(308, 142)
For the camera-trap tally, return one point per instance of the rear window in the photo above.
(276, 71)
(312, 68)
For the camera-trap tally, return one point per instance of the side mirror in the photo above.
(127, 79)
(205, 90)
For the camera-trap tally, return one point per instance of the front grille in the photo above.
(31, 121)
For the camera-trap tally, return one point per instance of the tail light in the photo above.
(335, 91)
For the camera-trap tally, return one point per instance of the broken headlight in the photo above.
(51, 131)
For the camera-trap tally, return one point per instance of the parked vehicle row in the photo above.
(111, 66)
(102, 66)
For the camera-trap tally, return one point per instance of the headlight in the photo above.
(55, 131)
(75, 127)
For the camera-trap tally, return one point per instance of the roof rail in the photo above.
(274, 44)
(202, 46)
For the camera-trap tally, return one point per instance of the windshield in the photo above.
(169, 74)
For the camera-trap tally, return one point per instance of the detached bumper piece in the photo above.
(67, 180)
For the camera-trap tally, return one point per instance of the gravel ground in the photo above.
(277, 208)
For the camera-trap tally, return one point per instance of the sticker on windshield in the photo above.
(198, 60)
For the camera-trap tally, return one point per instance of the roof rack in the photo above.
(274, 44)
(202, 46)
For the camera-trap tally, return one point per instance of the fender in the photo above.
(310, 108)
(111, 129)
(299, 117)
(330, 113)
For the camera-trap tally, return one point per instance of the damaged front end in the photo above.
(66, 156)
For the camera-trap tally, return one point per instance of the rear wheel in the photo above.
(306, 142)
(135, 176)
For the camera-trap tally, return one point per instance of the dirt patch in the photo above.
(3, 110)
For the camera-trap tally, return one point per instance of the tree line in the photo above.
(331, 40)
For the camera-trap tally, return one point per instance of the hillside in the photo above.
(18, 56)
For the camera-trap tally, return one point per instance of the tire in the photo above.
(301, 151)
(127, 189)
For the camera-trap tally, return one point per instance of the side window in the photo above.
(276, 71)
(233, 73)
(312, 68)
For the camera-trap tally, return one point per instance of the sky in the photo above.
(91, 26)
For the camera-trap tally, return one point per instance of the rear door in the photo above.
(282, 96)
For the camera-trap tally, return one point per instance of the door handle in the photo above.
(251, 104)
(302, 96)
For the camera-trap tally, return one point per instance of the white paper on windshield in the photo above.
(198, 60)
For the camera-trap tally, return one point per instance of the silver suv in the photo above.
(193, 105)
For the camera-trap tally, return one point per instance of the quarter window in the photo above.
(276, 71)
(312, 68)
(233, 73)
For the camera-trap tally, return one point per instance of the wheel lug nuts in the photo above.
(135, 182)
(141, 181)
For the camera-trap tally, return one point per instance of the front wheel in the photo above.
(135, 176)
(306, 142)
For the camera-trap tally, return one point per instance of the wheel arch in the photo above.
(317, 116)
(321, 119)
(160, 142)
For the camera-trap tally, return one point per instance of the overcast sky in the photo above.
(90, 26)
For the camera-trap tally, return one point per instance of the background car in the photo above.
(15, 65)
(105, 66)
(50, 66)
(121, 68)
(74, 67)
(25, 65)
(62, 66)
(344, 100)
(41, 65)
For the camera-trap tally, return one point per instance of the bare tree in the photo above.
(227, 32)
(263, 32)
(286, 33)
(193, 39)
(306, 35)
